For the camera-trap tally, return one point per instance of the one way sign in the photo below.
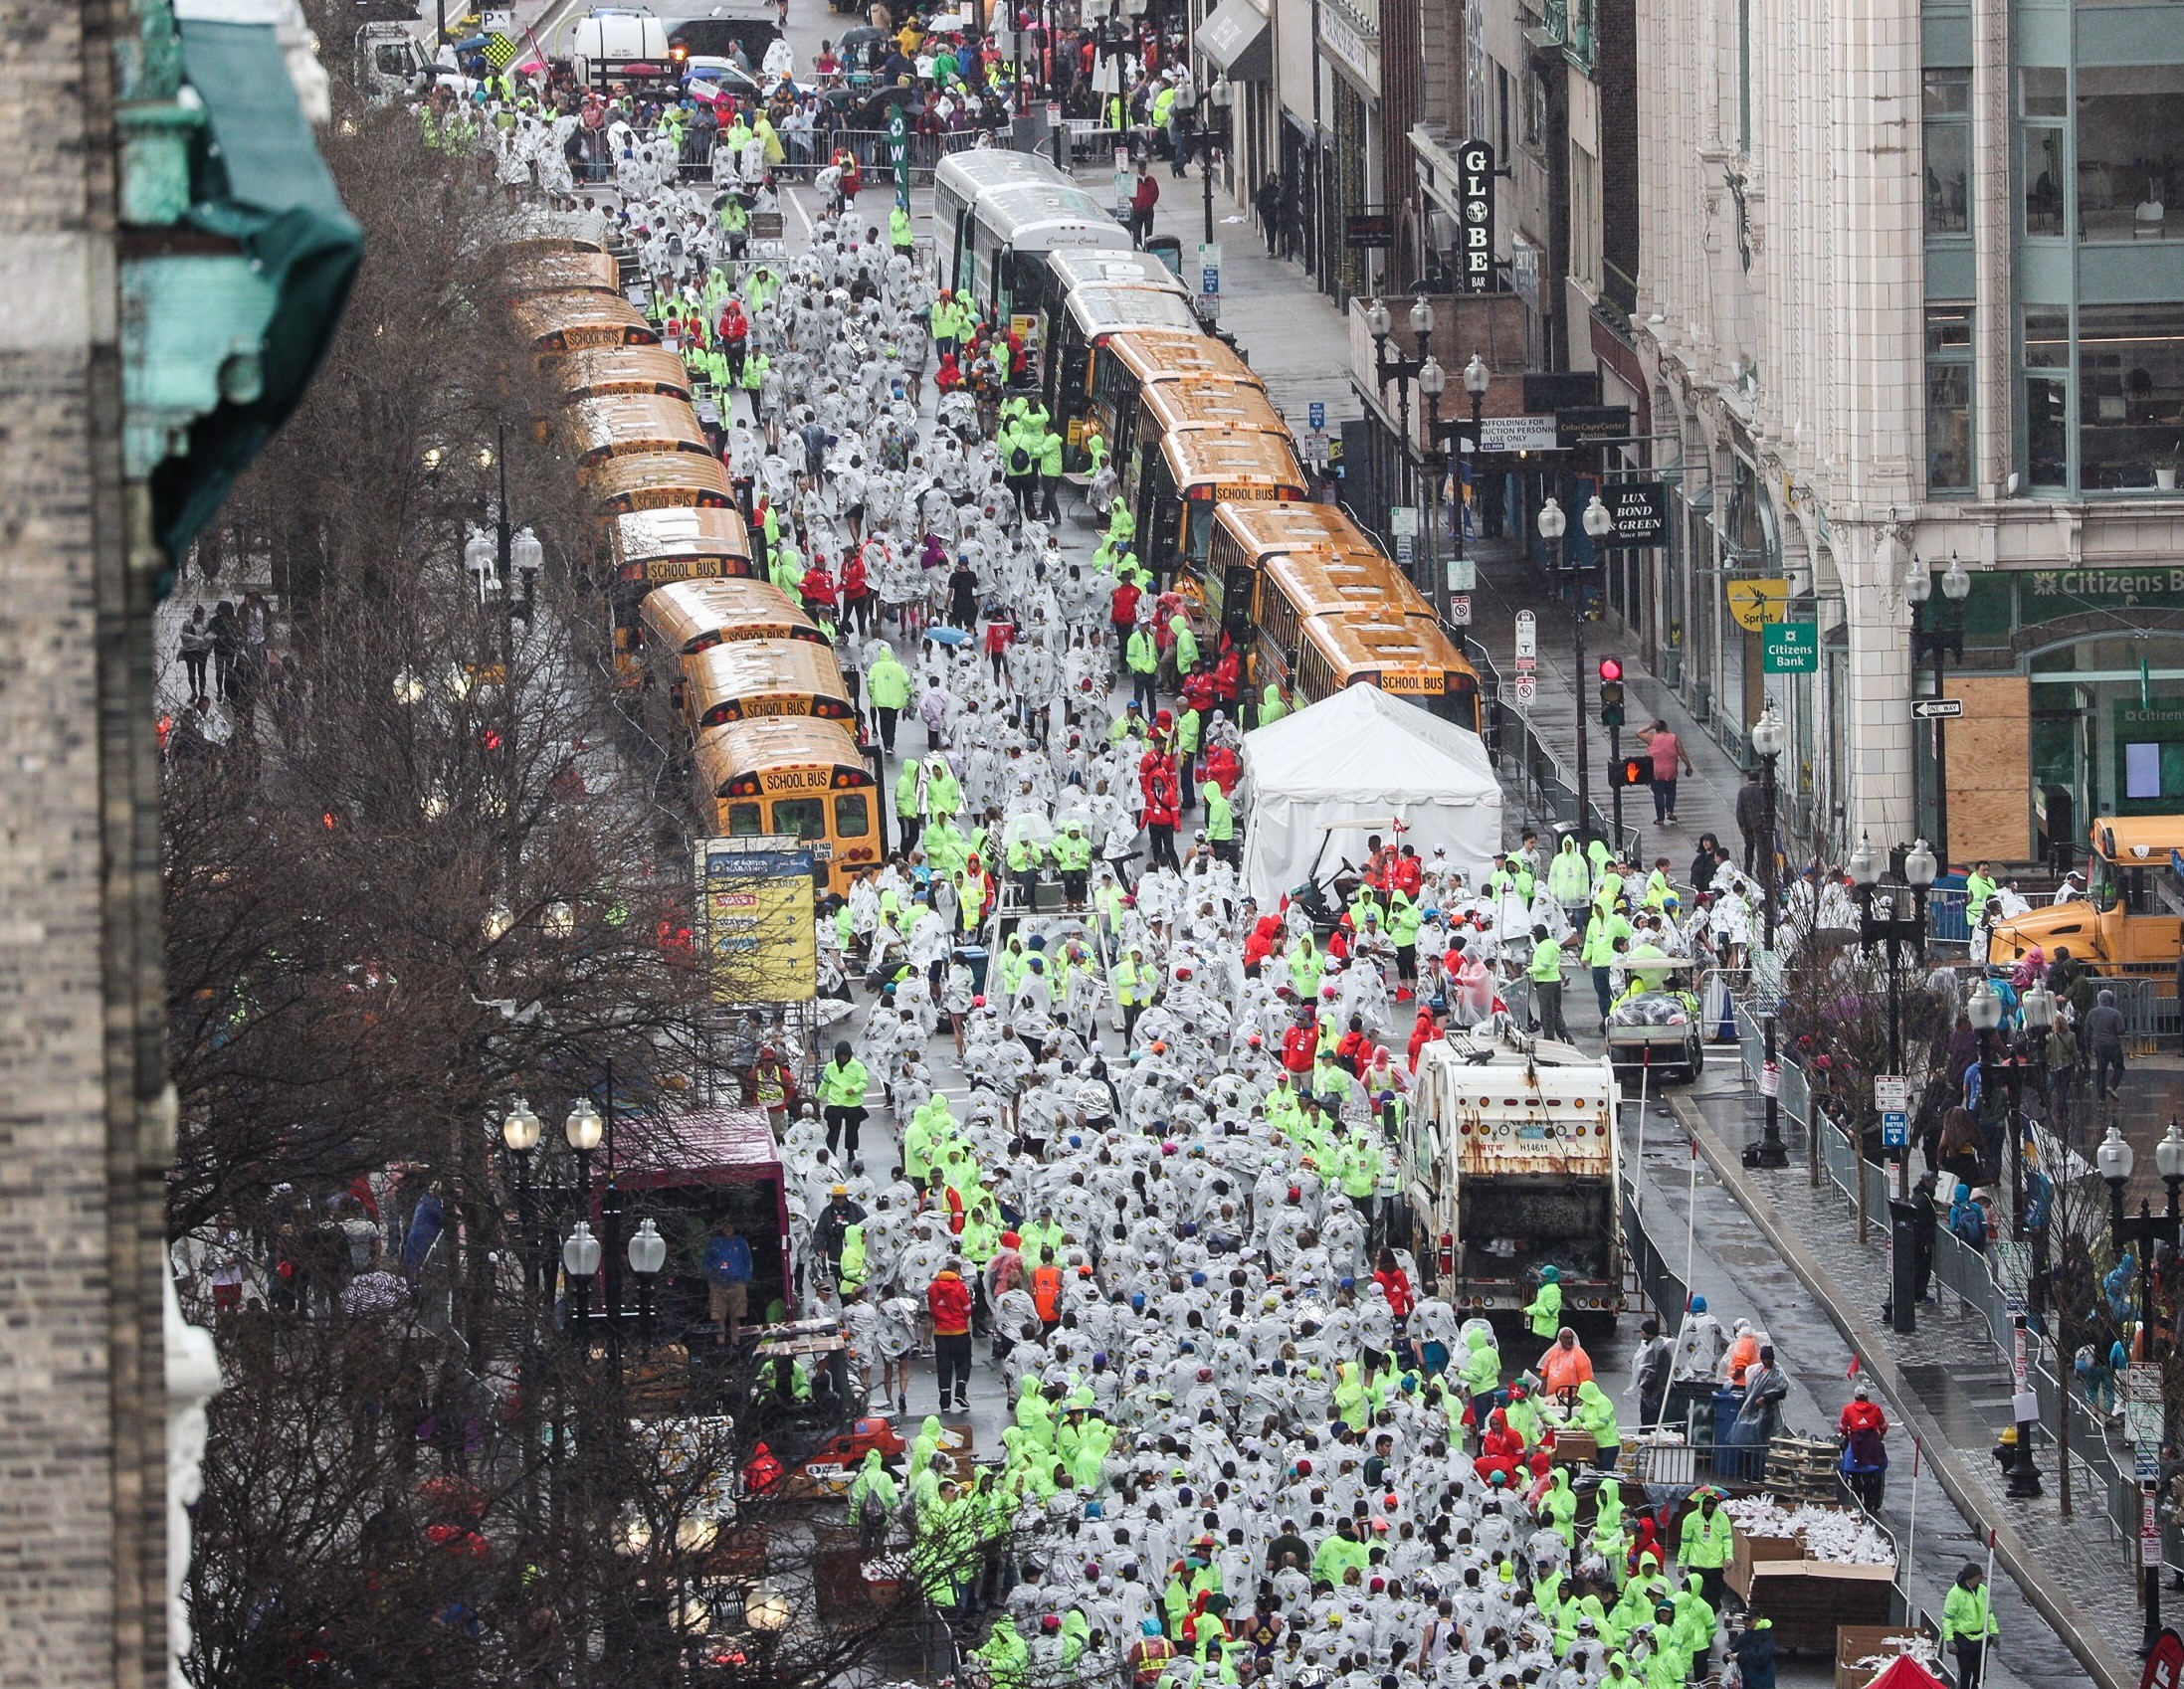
(1936, 710)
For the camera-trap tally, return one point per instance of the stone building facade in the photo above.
(85, 1125)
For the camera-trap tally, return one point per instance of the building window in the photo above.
(1584, 218)
(1948, 398)
(1535, 105)
(1948, 151)
(2131, 409)
(2129, 171)
(2046, 361)
(1744, 77)
(2042, 92)
(1501, 104)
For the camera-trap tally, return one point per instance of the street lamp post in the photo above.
(1767, 741)
(1477, 378)
(2147, 1231)
(1401, 370)
(1895, 931)
(1433, 381)
(580, 1260)
(583, 1129)
(1213, 136)
(1937, 642)
(648, 1254)
(1554, 524)
(519, 1130)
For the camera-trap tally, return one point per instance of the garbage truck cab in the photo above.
(2131, 919)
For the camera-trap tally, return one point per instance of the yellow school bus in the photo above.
(1196, 471)
(689, 617)
(615, 425)
(2123, 926)
(787, 774)
(554, 265)
(701, 546)
(1248, 537)
(658, 481)
(1406, 656)
(683, 621)
(1169, 407)
(745, 679)
(590, 372)
(1128, 363)
(568, 322)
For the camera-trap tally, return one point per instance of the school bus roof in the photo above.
(1327, 582)
(1100, 310)
(736, 749)
(559, 322)
(656, 480)
(1105, 267)
(1170, 354)
(615, 424)
(554, 270)
(1363, 638)
(688, 613)
(643, 536)
(1212, 404)
(765, 674)
(2138, 840)
(592, 370)
(1265, 530)
(1250, 463)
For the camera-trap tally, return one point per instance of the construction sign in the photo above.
(1753, 604)
(499, 50)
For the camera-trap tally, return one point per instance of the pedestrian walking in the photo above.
(1545, 969)
(1650, 1371)
(842, 1087)
(1668, 756)
(1968, 1626)
(1268, 203)
(948, 1300)
(2101, 1039)
(196, 652)
(1144, 195)
(1751, 817)
(1864, 1429)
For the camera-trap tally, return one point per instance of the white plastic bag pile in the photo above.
(1827, 1533)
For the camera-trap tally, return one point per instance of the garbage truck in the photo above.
(1510, 1163)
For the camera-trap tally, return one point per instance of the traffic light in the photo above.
(1611, 691)
(1632, 771)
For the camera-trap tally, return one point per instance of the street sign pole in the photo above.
(1615, 788)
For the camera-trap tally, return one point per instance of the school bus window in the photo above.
(852, 816)
(744, 822)
(805, 818)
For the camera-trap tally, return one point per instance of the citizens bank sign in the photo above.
(2107, 583)
(1475, 212)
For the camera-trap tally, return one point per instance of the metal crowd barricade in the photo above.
(1646, 1267)
(2103, 1463)
(2147, 1016)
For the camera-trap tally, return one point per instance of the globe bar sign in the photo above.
(1475, 204)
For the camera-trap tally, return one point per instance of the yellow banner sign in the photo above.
(757, 909)
(1756, 603)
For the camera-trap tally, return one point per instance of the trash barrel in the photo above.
(1728, 1461)
(1169, 248)
(974, 958)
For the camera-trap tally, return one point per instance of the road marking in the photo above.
(811, 234)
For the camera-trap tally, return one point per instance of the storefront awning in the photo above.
(1238, 37)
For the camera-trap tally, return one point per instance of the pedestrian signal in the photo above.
(1632, 771)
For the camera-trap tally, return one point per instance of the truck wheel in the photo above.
(1698, 1062)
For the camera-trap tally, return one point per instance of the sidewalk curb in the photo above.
(2053, 1604)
